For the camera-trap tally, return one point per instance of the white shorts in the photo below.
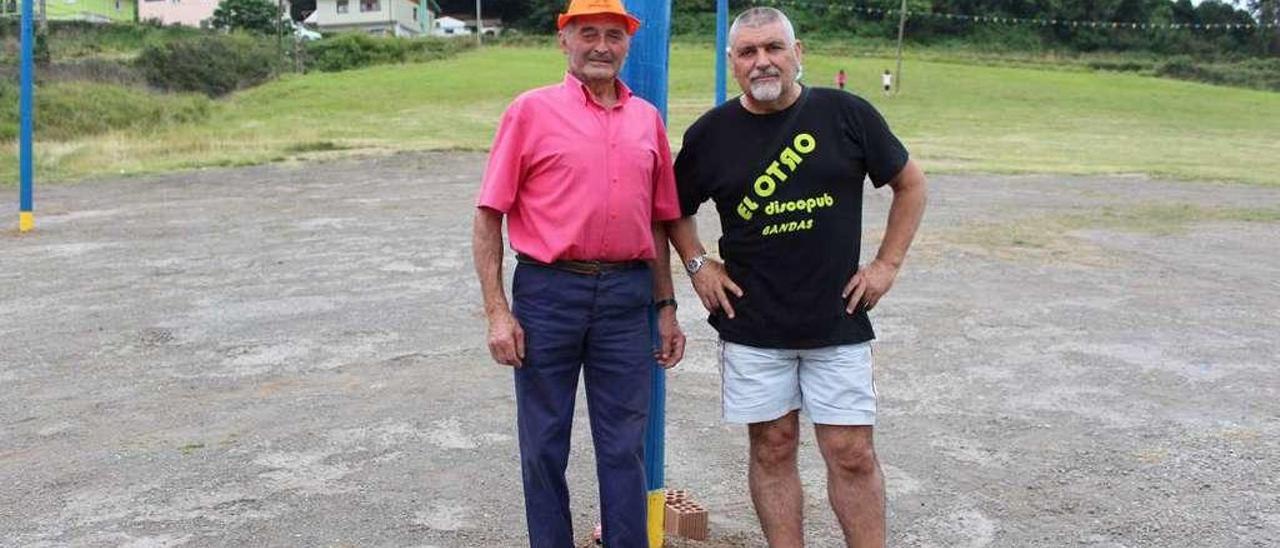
(831, 385)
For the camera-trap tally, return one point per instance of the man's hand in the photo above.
(671, 338)
(506, 339)
(868, 285)
(712, 284)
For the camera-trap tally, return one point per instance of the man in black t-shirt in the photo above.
(785, 166)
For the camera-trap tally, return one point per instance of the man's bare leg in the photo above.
(775, 480)
(855, 484)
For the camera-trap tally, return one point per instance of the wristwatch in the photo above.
(692, 266)
(657, 305)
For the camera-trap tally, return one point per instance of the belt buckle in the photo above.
(595, 267)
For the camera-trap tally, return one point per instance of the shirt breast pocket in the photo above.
(637, 163)
(564, 154)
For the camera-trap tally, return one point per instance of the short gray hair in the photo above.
(759, 17)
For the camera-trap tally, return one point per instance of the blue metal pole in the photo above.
(655, 447)
(26, 126)
(655, 434)
(722, 47)
(646, 68)
(646, 73)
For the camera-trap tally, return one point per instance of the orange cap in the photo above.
(592, 7)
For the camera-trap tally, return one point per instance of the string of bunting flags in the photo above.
(1001, 19)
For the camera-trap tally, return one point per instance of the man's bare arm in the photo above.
(871, 282)
(506, 338)
(905, 213)
(669, 332)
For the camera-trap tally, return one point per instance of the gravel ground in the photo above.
(293, 355)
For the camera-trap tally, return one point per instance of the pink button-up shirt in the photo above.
(577, 180)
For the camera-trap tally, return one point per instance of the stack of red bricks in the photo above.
(684, 517)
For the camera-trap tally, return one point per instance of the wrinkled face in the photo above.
(595, 46)
(765, 64)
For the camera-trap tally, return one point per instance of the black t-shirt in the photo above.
(791, 211)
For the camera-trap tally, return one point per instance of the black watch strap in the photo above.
(657, 305)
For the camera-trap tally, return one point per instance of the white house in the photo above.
(378, 17)
(465, 25)
(492, 25)
(449, 26)
(192, 13)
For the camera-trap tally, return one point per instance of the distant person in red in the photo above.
(841, 79)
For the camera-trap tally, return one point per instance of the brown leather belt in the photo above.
(582, 267)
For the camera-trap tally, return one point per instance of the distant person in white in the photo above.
(887, 80)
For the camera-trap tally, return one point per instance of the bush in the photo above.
(693, 24)
(257, 16)
(1119, 65)
(351, 50)
(1252, 73)
(92, 69)
(994, 38)
(1181, 66)
(214, 65)
(515, 38)
(79, 39)
(66, 111)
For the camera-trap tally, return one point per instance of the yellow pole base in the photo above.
(657, 513)
(26, 221)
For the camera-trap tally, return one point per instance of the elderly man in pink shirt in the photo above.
(583, 172)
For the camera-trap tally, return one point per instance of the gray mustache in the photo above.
(766, 72)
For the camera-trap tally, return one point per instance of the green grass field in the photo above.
(116, 10)
(954, 117)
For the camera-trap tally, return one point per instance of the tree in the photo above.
(815, 18)
(257, 16)
(42, 55)
(511, 11)
(1269, 15)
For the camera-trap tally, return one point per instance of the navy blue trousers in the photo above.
(597, 326)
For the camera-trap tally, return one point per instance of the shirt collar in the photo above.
(573, 84)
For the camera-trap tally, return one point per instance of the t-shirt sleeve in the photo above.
(502, 174)
(884, 154)
(666, 205)
(688, 180)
